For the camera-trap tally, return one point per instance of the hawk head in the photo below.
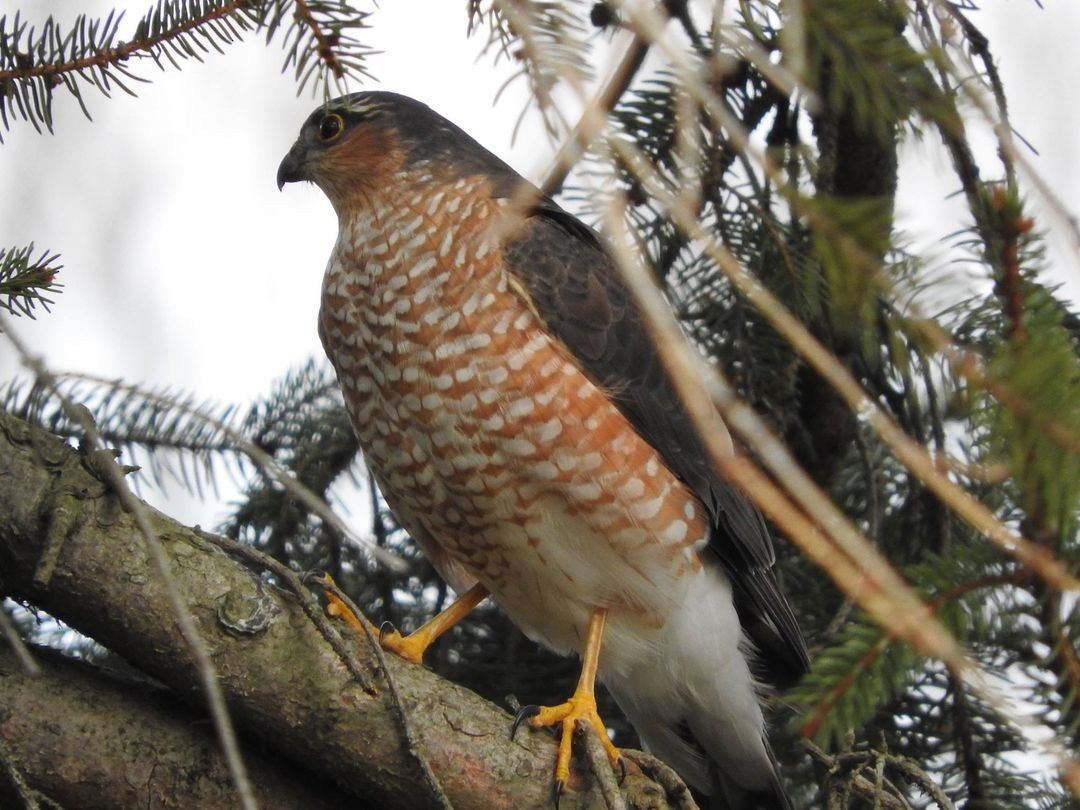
(362, 143)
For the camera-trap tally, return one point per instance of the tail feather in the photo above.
(695, 703)
(726, 795)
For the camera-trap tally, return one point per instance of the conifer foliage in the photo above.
(751, 152)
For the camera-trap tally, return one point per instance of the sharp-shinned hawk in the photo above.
(521, 425)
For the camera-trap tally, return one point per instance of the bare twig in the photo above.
(858, 782)
(297, 586)
(598, 763)
(412, 741)
(263, 460)
(18, 646)
(576, 144)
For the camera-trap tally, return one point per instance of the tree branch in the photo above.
(117, 56)
(87, 740)
(284, 684)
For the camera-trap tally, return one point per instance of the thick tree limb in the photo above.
(284, 684)
(89, 741)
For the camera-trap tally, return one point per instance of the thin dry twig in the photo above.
(998, 120)
(263, 460)
(598, 763)
(602, 104)
(112, 474)
(412, 740)
(311, 607)
(863, 786)
(18, 646)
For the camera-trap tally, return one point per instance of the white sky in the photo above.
(184, 266)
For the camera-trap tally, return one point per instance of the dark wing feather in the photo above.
(576, 289)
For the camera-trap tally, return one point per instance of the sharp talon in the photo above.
(524, 713)
(556, 792)
(384, 629)
(622, 770)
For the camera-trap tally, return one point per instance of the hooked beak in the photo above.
(293, 168)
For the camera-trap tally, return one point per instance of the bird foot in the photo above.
(410, 647)
(580, 706)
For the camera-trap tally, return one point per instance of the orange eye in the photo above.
(331, 127)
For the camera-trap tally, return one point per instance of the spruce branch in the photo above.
(35, 60)
(547, 39)
(175, 441)
(993, 112)
(965, 735)
(1008, 224)
(860, 62)
(864, 667)
(184, 438)
(321, 42)
(151, 420)
(25, 282)
(1062, 663)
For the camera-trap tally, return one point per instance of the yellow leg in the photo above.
(412, 646)
(580, 706)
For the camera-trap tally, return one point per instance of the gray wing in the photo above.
(576, 289)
